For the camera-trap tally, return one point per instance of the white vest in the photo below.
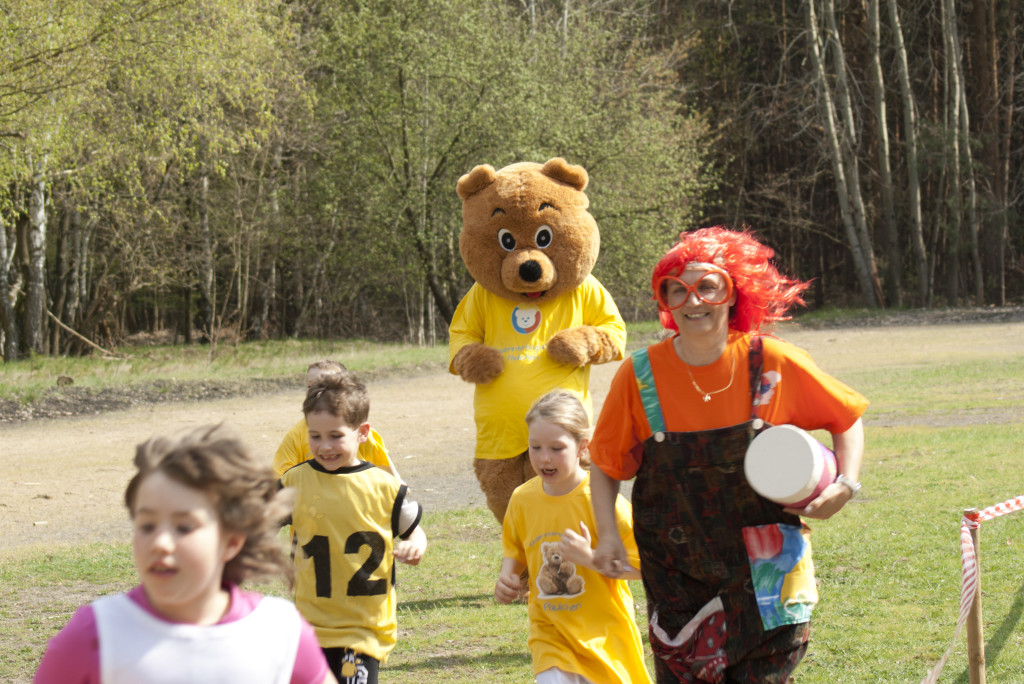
(139, 648)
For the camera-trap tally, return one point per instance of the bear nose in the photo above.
(530, 271)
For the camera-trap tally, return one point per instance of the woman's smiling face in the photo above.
(693, 316)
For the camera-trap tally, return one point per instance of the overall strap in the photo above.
(756, 366)
(648, 391)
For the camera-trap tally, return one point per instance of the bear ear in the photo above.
(561, 170)
(475, 181)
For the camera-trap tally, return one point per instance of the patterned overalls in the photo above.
(691, 503)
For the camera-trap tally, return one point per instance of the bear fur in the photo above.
(535, 318)
(557, 575)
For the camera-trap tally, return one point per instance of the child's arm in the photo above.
(412, 541)
(72, 654)
(506, 589)
(410, 551)
(576, 548)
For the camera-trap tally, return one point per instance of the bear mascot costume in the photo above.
(535, 319)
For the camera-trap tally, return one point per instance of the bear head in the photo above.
(526, 233)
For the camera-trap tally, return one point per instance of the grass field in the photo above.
(944, 433)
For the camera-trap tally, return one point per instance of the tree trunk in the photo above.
(986, 99)
(207, 305)
(267, 289)
(849, 147)
(444, 305)
(80, 270)
(862, 268)
(1006, 107)
(186, 312)
(892, 232)
(8, 326)
(960, 131)
(60, 283)
(35, 295)
(266, 285)
(913, 178)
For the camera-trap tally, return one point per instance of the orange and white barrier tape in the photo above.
(969, 564)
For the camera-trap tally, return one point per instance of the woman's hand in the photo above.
(849, 448)
(828, 503)
(610, 557)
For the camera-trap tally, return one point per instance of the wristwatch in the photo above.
(854, 487)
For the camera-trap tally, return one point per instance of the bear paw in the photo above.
(582, 346)
(478, 363)
(547, 585)
(574, 585)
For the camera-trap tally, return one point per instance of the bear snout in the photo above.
(530, 271)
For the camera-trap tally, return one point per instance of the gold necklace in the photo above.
(707, 395)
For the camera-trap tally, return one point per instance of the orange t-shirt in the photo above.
(796, 392)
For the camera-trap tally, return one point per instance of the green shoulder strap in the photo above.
(648, 391)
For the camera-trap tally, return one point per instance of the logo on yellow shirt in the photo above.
(525, 320)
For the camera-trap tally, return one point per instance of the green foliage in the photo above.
(288, 168)
(429, 89)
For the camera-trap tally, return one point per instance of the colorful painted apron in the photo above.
(728, 574)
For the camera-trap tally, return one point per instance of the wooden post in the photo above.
(975, 628)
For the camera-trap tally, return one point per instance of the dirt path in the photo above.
(62, 480)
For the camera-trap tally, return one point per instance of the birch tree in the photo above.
(960, 156)
(910, 134)
(986, 99)
(888, 209)
(8, 287)
(844, 165)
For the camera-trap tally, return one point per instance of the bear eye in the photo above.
(506, 240)
(543, 237)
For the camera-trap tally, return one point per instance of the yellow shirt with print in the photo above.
(520, 331)
(593, 632)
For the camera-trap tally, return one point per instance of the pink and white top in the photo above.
(122, 638)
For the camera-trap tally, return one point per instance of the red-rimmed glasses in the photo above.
(714, 287)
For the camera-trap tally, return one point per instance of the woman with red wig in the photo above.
(679, 417)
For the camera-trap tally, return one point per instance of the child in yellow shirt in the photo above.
(582, 627)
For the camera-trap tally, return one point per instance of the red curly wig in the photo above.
(763, 294)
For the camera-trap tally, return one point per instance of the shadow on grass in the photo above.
(994, 644)
(486, 661)
(469, 601)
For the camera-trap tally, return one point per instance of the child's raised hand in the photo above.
(506, 589)
(576, 547)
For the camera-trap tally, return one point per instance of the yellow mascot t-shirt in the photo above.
(520, 331)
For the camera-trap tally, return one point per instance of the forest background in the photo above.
(254, 169)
